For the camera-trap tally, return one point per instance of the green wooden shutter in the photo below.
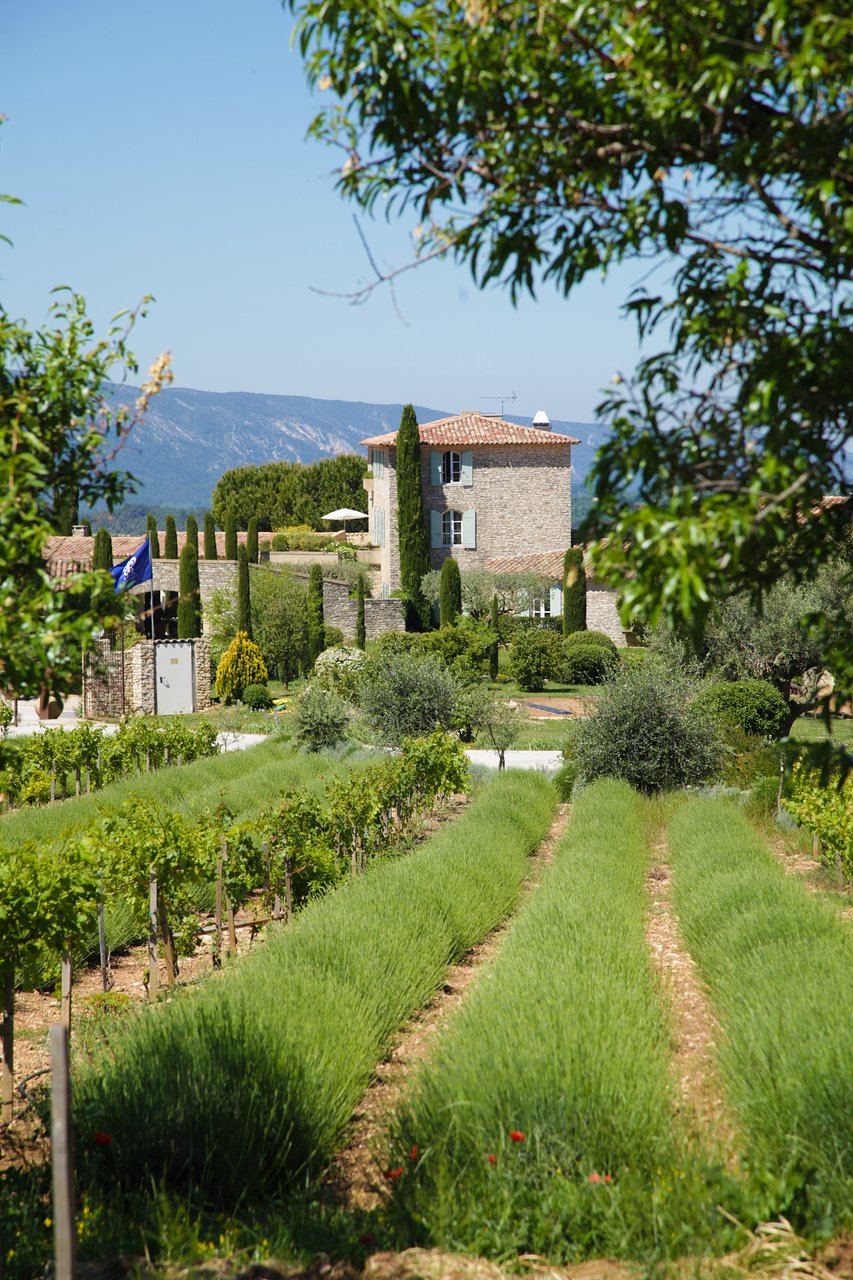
(469, 530)
(435, 468)
(467, 461)
(435, 526)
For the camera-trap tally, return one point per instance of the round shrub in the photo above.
(319, 719)
(407, 695)
(754, 706)
(257, 696)
(535, 657)
(647, 731)
(333, 636)
(587, 663)
(588, 638)
(339, 670)
(280, 542)
(240, 665)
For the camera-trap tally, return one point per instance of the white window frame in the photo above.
(451, 528)
(451, 467)
(540, 606)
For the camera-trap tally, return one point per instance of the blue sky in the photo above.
(160, 148)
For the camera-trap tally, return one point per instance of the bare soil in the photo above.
(581, 707)
(356, 1177)
(694, 1028)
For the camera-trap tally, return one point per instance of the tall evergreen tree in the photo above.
(210, 552)
(244, 603)
(189, 604)
(192, 532)
(153, 536)
(252, 540)
(574, 591)
(102, 552)
(450, 593)
(66, 509)
(360, 627)
(316, 625)
(493, 650)
(230, 536)
(414, 543)
(170, 542)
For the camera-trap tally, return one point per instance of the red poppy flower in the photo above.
(607, 1177)
(594, 1177)
(103, 1139)
(493, 1159)
(517, 1135)
(414, 1154)
(393, 1174)
(367, 1238)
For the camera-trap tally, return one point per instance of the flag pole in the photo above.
(151, 562)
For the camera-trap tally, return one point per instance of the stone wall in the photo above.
(212, 574)
(102, 701)
(139, 679)
(380, 616)
(202, 673)
(602, 612)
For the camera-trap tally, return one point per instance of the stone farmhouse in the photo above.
(496, 496)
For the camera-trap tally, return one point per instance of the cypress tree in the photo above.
(574, 591)
(170, 542)
(252, 540)
(230, 536)
(102, 552)
(189, 611)
(66, 509)
(192, 532)
(316, 626)
(360, 628)
(414, 543)
(493, 649)
(244, 604)
(450, 593)
(152, 535)
(210, 552)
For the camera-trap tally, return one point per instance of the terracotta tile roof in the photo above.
(476, 428)
(548, 564)
(65, 556)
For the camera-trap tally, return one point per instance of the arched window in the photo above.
(451, 468)
(451, 529)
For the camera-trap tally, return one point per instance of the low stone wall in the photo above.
(602, 613)
(212, 575)
(102, 694)
(380, 616)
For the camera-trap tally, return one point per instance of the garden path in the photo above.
(357, 1173)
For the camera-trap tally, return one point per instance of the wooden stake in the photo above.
(65, 989)
(102, 939)
(152, 937)
(7, 1043)
(288, 887)
(64, 1231)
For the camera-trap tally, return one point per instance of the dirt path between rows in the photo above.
(356, 1177)
(694, 1027)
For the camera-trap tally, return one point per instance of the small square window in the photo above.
(451, 529)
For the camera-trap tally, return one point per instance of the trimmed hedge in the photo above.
(754, 706)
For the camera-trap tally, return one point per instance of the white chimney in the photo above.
(542, 421)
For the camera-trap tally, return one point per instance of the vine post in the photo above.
(288, 888)
(64, 1231)
(152, 936)
(7, 1041)
(102, 937)
(65, 988)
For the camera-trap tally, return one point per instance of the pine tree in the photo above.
(316, 626)
(153, 536)
(102, 553)
(574, 591)
(210, 552)
(360, 628)
(252, 540)
(189, 608)
(244, 603)
(493, 650)
(192, 532)
(450, 593)
(170, 542)
(414, 543)
(230, 536)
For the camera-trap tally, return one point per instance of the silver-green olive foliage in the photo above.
(547, 141)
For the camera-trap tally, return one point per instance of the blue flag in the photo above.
(135, 570)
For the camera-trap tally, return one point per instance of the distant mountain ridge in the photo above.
(190, 437)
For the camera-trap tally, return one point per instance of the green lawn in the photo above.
(809, 729)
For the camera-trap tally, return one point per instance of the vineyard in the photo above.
(552, 1113)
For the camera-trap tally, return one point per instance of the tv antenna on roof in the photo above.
(502, 400)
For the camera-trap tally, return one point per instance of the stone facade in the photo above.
(102, 692)
(380, 616)
(602, 612)
(521, 497)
